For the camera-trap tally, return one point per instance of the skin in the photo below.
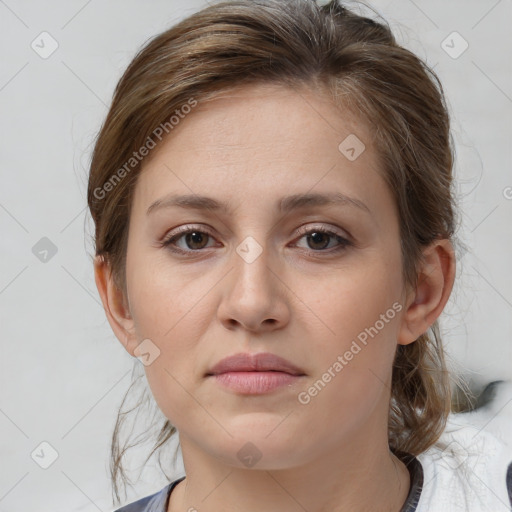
(298, 300)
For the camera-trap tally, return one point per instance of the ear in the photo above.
(115, 305)
(435, 282)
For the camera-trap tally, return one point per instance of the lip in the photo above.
(262, 362)
(255, 374)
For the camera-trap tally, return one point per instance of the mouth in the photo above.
(255, 374)
(262, 362)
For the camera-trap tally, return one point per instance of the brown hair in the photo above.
(297, 42)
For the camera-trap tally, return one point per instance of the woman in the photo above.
(272, 197)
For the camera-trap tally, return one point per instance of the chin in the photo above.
(251, 448)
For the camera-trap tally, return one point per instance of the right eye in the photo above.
(193, 238)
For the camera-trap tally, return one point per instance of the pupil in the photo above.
(195, 237)
(317, 238)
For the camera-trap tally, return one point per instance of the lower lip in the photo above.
(255, 383)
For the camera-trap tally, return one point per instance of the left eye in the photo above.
(318, 239)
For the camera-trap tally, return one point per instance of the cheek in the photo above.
(172, 311)
(360, 313)
(354, 356)
(163, 299)
(350, 304)
(170, 392)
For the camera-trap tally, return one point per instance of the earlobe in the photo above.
(427, 301)
(114, 304)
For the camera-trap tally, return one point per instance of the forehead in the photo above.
(261, 140)
(292, 115)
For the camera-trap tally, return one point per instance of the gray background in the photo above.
(63, 373)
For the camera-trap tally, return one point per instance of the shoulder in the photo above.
(468, 469)
(156, 502)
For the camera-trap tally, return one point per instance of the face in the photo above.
(318, 284)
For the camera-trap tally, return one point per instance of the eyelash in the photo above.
(169, 241)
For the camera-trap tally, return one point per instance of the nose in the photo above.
(254, 297)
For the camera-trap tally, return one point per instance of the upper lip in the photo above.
(261, 362)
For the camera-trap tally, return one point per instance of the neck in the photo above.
(357, 477)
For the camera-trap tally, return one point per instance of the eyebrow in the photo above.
(285, 205)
